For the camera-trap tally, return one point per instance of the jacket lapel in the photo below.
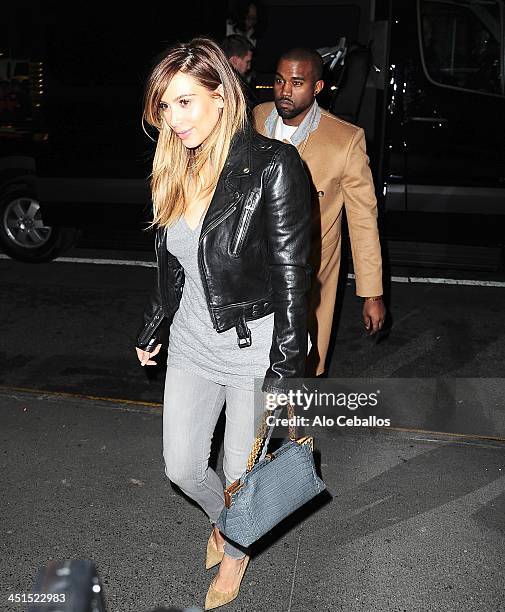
(228, 190)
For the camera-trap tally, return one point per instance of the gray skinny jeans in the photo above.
(192, 406)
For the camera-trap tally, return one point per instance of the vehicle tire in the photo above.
(23, 235)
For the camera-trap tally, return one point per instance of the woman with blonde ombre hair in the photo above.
(232, 216)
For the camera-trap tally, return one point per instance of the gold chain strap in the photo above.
(261, 435)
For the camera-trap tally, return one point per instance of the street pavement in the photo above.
(72, 327)
(411, 521)
(414, 517)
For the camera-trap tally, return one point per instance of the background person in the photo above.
(335, 155)
(243, 16)
(239, 52)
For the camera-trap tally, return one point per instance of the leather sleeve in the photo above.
(361, 211)
(287, 205)
(153, 319)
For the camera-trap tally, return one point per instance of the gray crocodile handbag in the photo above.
(270, 489)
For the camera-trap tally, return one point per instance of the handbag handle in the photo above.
(260, 438)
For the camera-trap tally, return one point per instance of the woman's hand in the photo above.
(145, 357)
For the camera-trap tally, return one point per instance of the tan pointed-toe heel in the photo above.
(214, 556)
(215, 598)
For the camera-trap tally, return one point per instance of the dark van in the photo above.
(424, 78)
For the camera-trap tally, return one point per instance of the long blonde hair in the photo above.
(174, 164)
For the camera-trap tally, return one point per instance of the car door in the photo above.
(454, 107)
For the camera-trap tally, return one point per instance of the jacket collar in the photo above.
(309, 124)
(239, 163)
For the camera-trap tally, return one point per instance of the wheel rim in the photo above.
(23, 223)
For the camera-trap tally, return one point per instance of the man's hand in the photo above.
(374, 313)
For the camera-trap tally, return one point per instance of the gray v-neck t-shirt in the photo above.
(195, 346)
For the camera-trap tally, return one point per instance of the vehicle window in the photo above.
(462, 44)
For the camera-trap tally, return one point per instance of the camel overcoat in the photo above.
(338, 167)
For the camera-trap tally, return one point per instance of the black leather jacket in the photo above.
(252, 254)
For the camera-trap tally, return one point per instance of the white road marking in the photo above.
(110, 262)
(394, 279)
(443, 281)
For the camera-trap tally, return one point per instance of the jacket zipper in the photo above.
(243, 226)
(222, 217)
(216, 222)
